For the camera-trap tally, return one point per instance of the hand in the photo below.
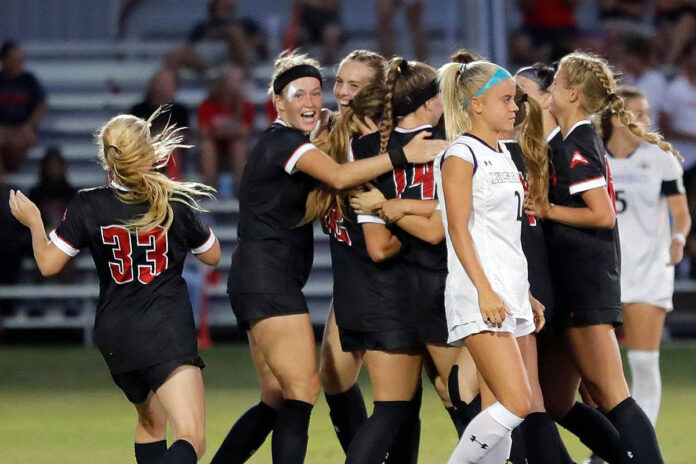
(539, 210)
(492, 308)
(676, 252)
(365, 125)
(392, 210)
(365, 202)
(538, 311)
(421, 150)
(24, 209)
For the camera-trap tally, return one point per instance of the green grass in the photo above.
(59, 405)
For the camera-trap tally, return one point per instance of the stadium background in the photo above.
(94, 61)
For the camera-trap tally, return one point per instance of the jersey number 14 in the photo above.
(156, 246)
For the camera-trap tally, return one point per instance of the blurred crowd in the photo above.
(651, 43)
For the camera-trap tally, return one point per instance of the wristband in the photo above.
(398, 157)
(679, 237)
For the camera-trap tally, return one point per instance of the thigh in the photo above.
(338, 369)
(151, 412)
(394, 375)
(271, 392)
(643, 325)
(182, 397)
(287, 345)
(597, 357)
(528, 350)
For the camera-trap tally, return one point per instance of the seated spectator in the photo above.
(160, 91)
(638, 70)
(626, 17)
(386, 10)
(15, 243)
(225, 121)
(219, 38)
(677, 22)
(22, 105)
(549, 27)
(678, 116)
(316, 22)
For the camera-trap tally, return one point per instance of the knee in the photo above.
(303, 389)
(153, 424)
(521, 403)
(271, 393)
(197, 440)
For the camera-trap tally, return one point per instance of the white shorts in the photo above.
(517, 326)
(664, 303)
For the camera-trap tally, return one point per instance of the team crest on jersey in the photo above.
(577, 159)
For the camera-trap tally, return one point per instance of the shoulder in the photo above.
(464, 148)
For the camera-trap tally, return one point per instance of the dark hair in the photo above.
(465, 56)
(6, 47)
(541, 73)
(53, 153)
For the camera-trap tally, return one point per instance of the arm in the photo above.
(49, 259)
(380, 242)
(599, 212)
(679, 209)
(212, 256)
(428, 229)
(457, 176)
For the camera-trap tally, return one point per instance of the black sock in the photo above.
(289, 444)
(376, 437)
(181, 452)
(246, 435)
(541, 439)
(407, 442)
(636, 431)
(456, 421)
(347, 411)
(150, 453)
(518, 453)
(596, 432)
(465, 411)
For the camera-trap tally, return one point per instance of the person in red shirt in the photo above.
(225, 121)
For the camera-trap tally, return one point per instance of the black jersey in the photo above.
(144, 312)
(585, 262)
(533, 242)
(274, 255)
(414, 182)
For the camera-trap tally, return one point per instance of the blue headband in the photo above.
(500, 75)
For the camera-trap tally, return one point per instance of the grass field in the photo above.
(59, 405)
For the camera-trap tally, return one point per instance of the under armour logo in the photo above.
(483, 445)
(630, 454)
(488, 163)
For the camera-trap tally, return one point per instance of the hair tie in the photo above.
(403, 67)
(524, 98)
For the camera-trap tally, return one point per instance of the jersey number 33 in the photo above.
(155, 243)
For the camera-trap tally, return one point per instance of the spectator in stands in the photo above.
(316, 22)
(225, 121)
(626, 17)
(549, 27)
(677, 22)
(160, 91)
(219, 38)
(678, 116)
(22, 105)
(386, 10)
(15, 243)
(638, 70)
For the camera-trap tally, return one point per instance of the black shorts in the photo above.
(137, 384)
(429, 303)
(248, 307)
(583, 317)
(406, 339)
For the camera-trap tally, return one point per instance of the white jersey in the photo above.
(495, 227)
(641, 182)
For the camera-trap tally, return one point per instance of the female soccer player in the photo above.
(649, 186)
(274, 256)
(138, 230)
(487, 295)
(584, 251)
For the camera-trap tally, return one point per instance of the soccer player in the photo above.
(138, 230)
(649, 186)
(274, 257)
(487, 297)
(584, 251)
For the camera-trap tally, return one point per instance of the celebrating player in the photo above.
(138, 230)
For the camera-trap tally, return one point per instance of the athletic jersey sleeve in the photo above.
(672, 172)
(70, 235)
(462, 151)
(199, 237)
(586, 170)
(292, 146)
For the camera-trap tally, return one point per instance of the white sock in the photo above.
(647, 384)
(483, 433)
(501, 452)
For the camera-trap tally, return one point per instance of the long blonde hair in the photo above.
(597, 86)
(132, 156)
